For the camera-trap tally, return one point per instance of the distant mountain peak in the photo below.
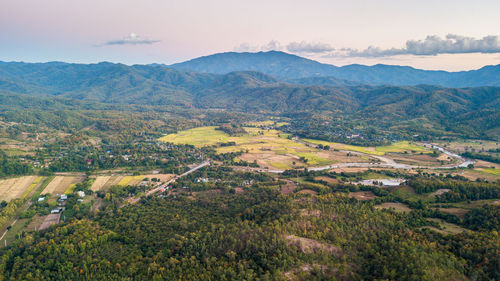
(291, 67)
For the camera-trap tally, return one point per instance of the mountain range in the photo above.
(29, 85)
(293, 68)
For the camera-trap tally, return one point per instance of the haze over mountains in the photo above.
(290, 67)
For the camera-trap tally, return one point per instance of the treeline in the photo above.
(458, 190)
(11, 166)
(482, 156)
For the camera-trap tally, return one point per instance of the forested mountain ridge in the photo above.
(63, 86)
(292, 67)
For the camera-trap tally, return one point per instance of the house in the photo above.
(57, 210)
(40, 199)
(80, 193)
(64, 197)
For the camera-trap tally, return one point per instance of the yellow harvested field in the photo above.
(59, 185)
(114, 180)
(161, 177)
(130, 180)
(15, 187)
(34, 184)
(270, 148)
(99, 183)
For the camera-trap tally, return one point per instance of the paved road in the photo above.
(136, 199)
(384, 162)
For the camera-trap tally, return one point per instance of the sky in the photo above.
(439, 34)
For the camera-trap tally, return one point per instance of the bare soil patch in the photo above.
(309, 246)
(459, 212)
(398, 207)
(307, 191)
(99, 183)
(50, 220)
(362, 195)
(327, 179)
(289, 187)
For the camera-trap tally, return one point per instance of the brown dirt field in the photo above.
(348, 170)
(440, 191)
(307, 191)
(289, 187)
(362, 195)
(327, 179)
(5, 185)
(35, 223)
(239, 190)
(99, 183)
(14, 187)
(59, 184)
(417, 159)
(459, 212)
(341, 157)
(265, 159)
(485, 164)
(444, 157)
(114, 180)
(399, 207)
(473, 175)
(162, 177)
(53, 185)
(308, 246)
(20, 186)
(50, 220)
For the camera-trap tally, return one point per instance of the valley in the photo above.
(118, 172)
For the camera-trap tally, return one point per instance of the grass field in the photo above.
(477, 145)
(202, 136)
(398, 207)
(491, 171)
(397, 147)
(270, 148)
(447, 228)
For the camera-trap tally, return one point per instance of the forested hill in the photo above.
(60, 85)
(288, 66)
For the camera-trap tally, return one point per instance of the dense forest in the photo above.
(254, 235)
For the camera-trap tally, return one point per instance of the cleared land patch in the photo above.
(99, 183)
(15, 187)
(446, 227)
(60, 184)
(398, 207)
(362, 195)
(309, 246)
(397, 147)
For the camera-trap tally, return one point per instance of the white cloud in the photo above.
(273, 45)
(432, 45)
(309, 47)
(131, 39)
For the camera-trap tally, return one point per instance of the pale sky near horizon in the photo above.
(448, 35)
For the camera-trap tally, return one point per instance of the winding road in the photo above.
(384, 163)
(136, 199)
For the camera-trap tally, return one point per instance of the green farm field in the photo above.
(269, 148)
(397, 147)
